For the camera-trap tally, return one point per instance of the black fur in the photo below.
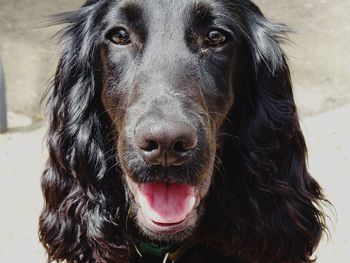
(262, 206)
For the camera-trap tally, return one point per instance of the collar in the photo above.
(150, 248)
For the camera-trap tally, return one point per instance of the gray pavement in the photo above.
(22, 157)
(328, 139)
(21, 161)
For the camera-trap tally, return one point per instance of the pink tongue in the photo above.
(166, 203)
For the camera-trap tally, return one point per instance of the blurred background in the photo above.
(319, 56)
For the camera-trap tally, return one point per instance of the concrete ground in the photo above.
(319, 58)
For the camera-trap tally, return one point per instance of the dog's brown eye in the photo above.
(215, 38)
(120, 37)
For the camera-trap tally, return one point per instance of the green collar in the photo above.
(144, 247)
(153, 249)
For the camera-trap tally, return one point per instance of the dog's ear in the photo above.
(83, 215)
(276, 202)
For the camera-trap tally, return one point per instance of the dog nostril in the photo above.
(150, 146)
(179, 147)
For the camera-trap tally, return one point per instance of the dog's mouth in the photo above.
(167, 208)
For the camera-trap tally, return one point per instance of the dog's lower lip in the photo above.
(168, 224)
(165, 228)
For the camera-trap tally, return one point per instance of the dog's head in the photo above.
(169, 114)
(169, 70)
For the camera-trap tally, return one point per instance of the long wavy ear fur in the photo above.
(83, 216)
(273, 204)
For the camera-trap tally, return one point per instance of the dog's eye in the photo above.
(120, 37)
(215, 38)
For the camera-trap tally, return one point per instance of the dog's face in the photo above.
(167, 86)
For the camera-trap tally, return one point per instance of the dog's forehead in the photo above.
(164, 5)
(164, 11)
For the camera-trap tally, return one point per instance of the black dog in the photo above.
(174, 137)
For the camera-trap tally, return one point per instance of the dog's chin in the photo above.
(175, 232)
(167, 212)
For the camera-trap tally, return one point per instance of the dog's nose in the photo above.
(166, 142)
